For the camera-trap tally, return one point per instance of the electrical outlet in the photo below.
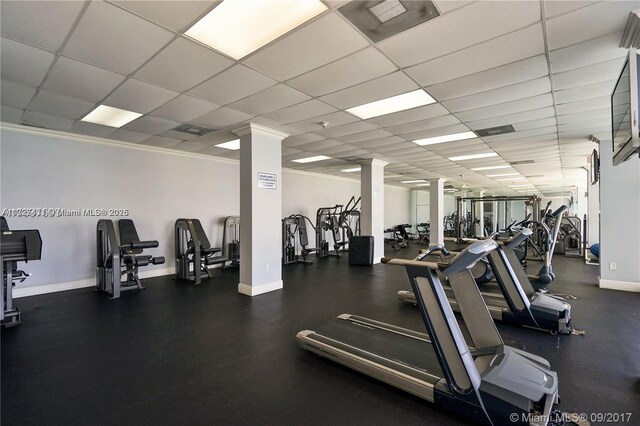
(612, 266)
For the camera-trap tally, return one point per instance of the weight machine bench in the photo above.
(123, 249)
(15, 246)
(193, 248)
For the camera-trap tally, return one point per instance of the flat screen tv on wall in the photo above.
(625, 134)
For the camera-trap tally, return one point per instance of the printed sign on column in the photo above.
(267, 180)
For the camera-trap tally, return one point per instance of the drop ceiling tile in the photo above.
(182, 65)
(584, 116)
(318, 43)
(584, 92)
(63, 106)
(362, 66)
(23, 64)
(588, 23)
(503, 50)
(128, 136)
(397, 146)
(10, 115)
(374, 143)
(481, 21)
(46, 120)
(417, 126)
(409, 116)
(516, 72)
(81, 81)
(522, 134)
(596, 123)
(535, 124)
(340, 150)
(174, 134)
(302, 111)
(590, 52)
(231, 85)
(560, 7)
(304, 138)
(15, 95)
(175, 15)
(40, 23)
(313, 146)
(512, 118)
(439, 131)
(161, 142)
(184, 108)
(380, 88)
(138, 96)
(150, 125)
(334, 119)
(501, 95)
(521, 105)
(584, 105)
(605, 71)
(220, 118)
(190, 146)
(112, 38)
(346, 129)
(91, 129)
(364, 136)
(272, 99)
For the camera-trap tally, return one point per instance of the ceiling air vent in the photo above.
(515, 163)
(379, 20)
(192, 130)
(493, 131)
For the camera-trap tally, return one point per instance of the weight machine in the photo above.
(231, 241)
(192, 248)
(294, 236)
(15, 246)
(118, 254)
(341, 223)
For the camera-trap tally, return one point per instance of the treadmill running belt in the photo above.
(416, 354)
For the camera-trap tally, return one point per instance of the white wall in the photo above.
(619, 222)
(43, 169)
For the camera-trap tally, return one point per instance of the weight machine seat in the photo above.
(206, 251)
(131, 246)
(4, 226)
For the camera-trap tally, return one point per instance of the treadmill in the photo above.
(513, 299)
(482, 378)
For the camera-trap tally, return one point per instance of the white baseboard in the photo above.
(620, 285)
(254, 290)
(74, 285)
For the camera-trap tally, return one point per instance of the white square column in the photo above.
(372, 213)
(260, 209)
(436, 211)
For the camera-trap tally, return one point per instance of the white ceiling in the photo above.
(545, 67)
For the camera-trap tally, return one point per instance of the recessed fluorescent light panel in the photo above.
(109, 116)
(478, 169)
(445, 138)
(474, 156)
(239, 27)
(423, 184)
(413, 181)
(502, 174)
(509, 179)
(520, 186)
(232, 145)
(311, 159)
(355, 169)
(393, 104)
